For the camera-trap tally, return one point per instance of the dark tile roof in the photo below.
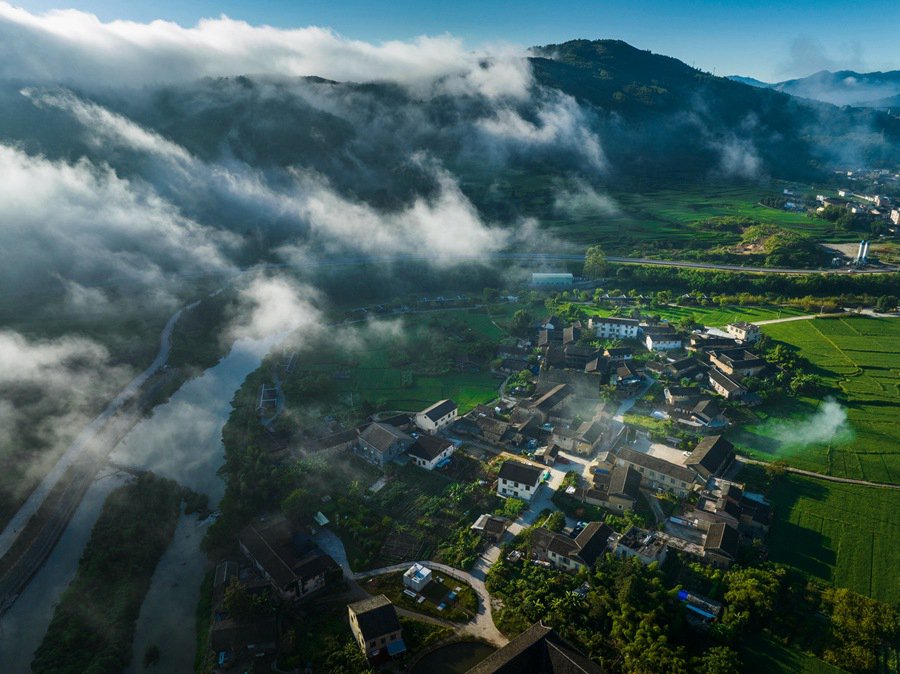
(551, 398)
(538, 650)
(375, 616)
(439, 410)
(520, 472)
(592, 542)
(382, 436)
(286, 558)
(722, 538)
(428, 447)
(656, 464)
(712, 454)
(626, 481)
(730, 384)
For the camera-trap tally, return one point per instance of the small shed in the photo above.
(417, 577)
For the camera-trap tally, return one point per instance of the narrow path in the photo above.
(822, 476)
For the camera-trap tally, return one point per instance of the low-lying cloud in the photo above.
(74, 47)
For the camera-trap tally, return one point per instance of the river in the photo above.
(181, 439)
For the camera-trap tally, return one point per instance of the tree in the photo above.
(299, 505)
(490, 295)
(521, 323)
(594, 262)
(718, 660)
(886, 304)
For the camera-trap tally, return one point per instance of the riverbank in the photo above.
(93, 624)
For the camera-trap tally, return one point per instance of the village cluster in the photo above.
(565, 440)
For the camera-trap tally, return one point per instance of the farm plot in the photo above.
(859, 359)
(844, 534)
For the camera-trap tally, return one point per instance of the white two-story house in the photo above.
(518, 480)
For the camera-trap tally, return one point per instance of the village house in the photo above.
(708, 414)
(704, 342)
(495, 431)
(577, 356)
(726, 502)
(582, 440)
(617, 490)
(614, 328)
(647, 546)
(616, 353)
(658, 473)
(681, 398)
(712, 456)
(490, 527)
(293, 565)
(542, 406)
(661, 338)
(429, 451)
(721, 545)
(381, 443)
(571, 554)
(233, 641)
(744, 331)
(518, 480)
(729, 386)
(538, 650)
(376, 627)
(682, 368)
(737, 362)
(434, 418)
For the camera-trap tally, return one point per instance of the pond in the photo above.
(454, 658)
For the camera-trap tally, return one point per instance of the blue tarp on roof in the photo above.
(396, 647)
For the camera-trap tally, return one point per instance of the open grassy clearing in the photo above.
(859, 358)
(431, 356)
(844, 534)
(764, 654)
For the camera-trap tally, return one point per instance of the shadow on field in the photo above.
(793, 544)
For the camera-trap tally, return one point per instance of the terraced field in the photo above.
(859, 358)
(844, 534)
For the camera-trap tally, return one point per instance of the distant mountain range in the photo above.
(844, 87)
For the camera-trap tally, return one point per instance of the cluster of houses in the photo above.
(402, 437)
(711, 530)
(279, 561)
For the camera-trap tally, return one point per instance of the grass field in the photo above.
(859, 358)
(712, 316)
(763, 654)
(643, 219)
(844, 534)
(373, 377)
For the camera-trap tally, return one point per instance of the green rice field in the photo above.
(843, 534)
(859, 359)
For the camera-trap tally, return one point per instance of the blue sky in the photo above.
(768, 40)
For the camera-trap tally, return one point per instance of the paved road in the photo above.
(483, 625)
(89, 438)
(81, 461)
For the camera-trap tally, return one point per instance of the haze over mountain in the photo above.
(844, 87)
